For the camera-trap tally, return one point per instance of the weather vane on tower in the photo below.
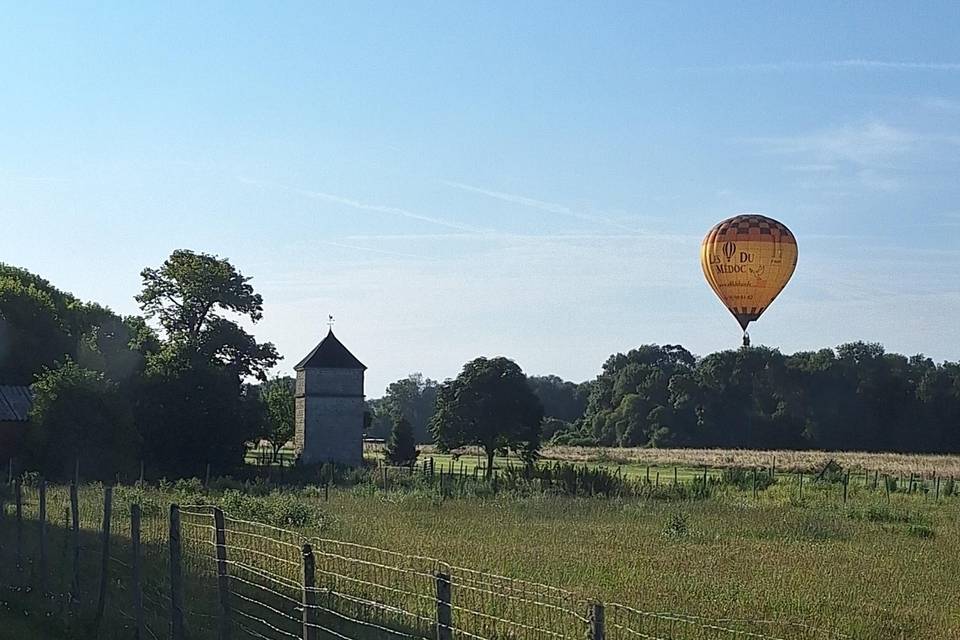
(330, 322)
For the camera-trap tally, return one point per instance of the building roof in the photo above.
(15, 403)
(330, 354)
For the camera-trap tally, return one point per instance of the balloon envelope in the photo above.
(747, 260)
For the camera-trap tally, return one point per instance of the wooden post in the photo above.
(937, 499)
(444, 607)
(876, 476)
(773, 468)
(326, 491)
(704, 477)
(754, 482)
(674, 475)
(137, 571)
(596, 622)
(75, 542)
(76, 471)
(18, 497)
(800, 475)
(104, 557)
(648, 474)
(846, 481)
(176, 576)
(43, 538)
(141, 472)
(309, 595)
(886, 486)
(206, 478)
(223, 578)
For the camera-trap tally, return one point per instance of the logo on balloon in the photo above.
(729, 248)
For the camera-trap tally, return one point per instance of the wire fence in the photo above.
(193, 571)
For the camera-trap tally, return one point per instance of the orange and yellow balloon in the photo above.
(748, 260)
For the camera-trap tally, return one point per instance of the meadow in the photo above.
(799, 560)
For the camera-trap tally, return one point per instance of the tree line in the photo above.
(174, 387)
(854, 397)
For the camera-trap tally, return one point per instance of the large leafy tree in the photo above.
(193, 407)
(189, 295)
(489, 405)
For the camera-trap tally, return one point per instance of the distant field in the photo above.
(635, 460)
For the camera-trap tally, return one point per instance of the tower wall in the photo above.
(329, 411)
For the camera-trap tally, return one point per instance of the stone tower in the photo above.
(329, 405)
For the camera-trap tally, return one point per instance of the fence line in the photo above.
(196, 572)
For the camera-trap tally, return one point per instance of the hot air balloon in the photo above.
(748, 260)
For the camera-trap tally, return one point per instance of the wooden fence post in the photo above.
(596, 616)
(444, 607)
(137, 586)
(223, 578)
(176, 576)
(754, 482)
(75, 542)
(76, 471)
(18, 497)
(309, 594)
(43, 538)
(800, 476)
(846, 481)
(937, 499)
(105, 556)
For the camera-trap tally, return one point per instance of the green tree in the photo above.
(414, 398)
(79, 414)
(188, 295)
(401, 450)
(561, 399)
(193, 407)
(278, 400)
(489, 405)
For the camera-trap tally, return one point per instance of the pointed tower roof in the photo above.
(330, 354)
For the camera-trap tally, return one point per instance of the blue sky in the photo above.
(524, 179)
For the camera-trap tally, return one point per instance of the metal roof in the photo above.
(15, 403)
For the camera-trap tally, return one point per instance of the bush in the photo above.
(744, 478)
(280, 509)
(677, 526)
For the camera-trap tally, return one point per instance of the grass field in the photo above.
(869, 570)
(873, 568)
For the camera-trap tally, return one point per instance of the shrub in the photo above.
(677, 526)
